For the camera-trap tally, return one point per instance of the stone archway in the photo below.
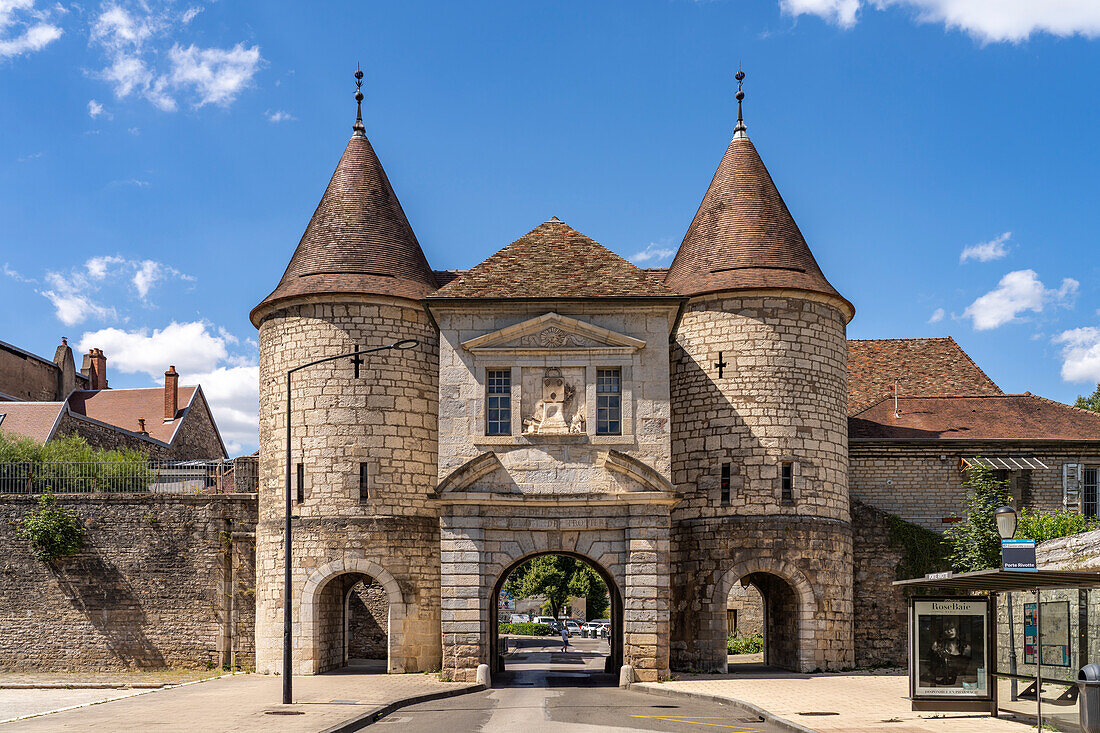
(316, 616)
(615, 636)
(789, 609)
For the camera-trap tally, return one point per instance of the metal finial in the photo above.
(358, 128)
(740, 130)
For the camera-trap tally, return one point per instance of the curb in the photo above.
(748, 707)
(369, 718)
(84, 685)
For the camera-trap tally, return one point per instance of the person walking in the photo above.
(564, 638)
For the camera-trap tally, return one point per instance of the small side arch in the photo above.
(807, 601)
(311, 659)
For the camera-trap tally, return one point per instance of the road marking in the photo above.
(698, 721)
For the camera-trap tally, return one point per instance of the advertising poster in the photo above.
(950, 648)
(1055, 633)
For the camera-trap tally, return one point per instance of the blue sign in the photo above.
(1018, 555)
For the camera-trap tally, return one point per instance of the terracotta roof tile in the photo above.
(743, 236)
(927, 367)
(358, 240)
(34, 420)
(123, 407)
(553, 260)
(985, 417)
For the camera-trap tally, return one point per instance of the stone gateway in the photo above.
(682, 430)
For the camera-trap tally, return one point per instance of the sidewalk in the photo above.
(848, 702)
(244, 703)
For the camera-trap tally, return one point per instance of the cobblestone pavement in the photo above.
(240, 704)
(855, 702)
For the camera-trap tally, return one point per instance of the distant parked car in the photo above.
(596, 625)
(572, 627)
(520, 618)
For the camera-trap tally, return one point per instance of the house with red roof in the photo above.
(42, 400)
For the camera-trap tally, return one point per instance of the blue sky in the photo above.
(159, 161)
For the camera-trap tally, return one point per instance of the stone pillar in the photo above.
(646, 602)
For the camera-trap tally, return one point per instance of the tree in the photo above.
(1092, 402)
(975, 544)
(558, 577)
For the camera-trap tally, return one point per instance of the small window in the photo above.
(1089, 498)
(498, 402)
(609, 402)
(786, 481)
(364, 484)
(301, 484)
(725, 484)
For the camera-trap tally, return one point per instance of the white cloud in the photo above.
(937, 315)
(1080, 354)
(134, 39)
(74, 294)
(32, 156)
(200, 353)
(24, 29)
(217, 75)
(988, 21)
(16, 275)
(840, 12)
(1017, 292)
(654, 252)
(279, 116)
(95, 109)
(994, 249)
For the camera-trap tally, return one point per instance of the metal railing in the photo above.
(237, 475)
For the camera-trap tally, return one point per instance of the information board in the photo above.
(949, 648)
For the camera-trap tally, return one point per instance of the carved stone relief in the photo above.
(553, 337)
(550, 401)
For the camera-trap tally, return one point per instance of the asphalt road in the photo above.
(547, 691)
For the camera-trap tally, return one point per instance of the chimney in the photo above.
(171, 393)
(141, 426)
(95, 368)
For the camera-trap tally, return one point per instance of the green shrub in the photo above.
(69, 465)
(1043, 526)
(526, 629)
(52, 531)
(751, 644)
(974, 542)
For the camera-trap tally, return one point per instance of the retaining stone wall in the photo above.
(158, 583)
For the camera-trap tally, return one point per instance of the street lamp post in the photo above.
(355, 356)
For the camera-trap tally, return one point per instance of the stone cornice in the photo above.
(529, 500)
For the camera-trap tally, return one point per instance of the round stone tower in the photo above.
(759, 428)
(364, 434)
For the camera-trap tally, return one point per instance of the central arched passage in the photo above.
(498, 654)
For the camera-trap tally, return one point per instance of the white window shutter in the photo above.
(1071, 482)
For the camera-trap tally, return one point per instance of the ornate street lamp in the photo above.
(356, 360)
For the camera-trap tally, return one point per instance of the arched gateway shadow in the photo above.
(613, 662)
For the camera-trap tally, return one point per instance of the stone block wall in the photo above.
(162, 581)
(781, 398)
(811, 556)
(749, 605)
(386, 418)
(881, 614)
(924, 484)
(1076, 552)
(368, 623)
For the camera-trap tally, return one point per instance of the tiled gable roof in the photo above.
(122, 408)
(553, 260)
(34, 420)
(743, 236)
(358, 240)
(985, 417)
(926, 367)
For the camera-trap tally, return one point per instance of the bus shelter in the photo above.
(1002, 641)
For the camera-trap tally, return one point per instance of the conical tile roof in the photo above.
(554, 260)
(743, 236)
(358, 240)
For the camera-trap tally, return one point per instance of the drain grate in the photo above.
(819, 713)
(283, 712)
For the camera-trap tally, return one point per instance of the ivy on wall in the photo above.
(924, 551)
(53, 532)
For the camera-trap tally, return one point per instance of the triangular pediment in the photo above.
(552, 331)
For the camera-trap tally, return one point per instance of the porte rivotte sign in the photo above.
(1018, 555)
